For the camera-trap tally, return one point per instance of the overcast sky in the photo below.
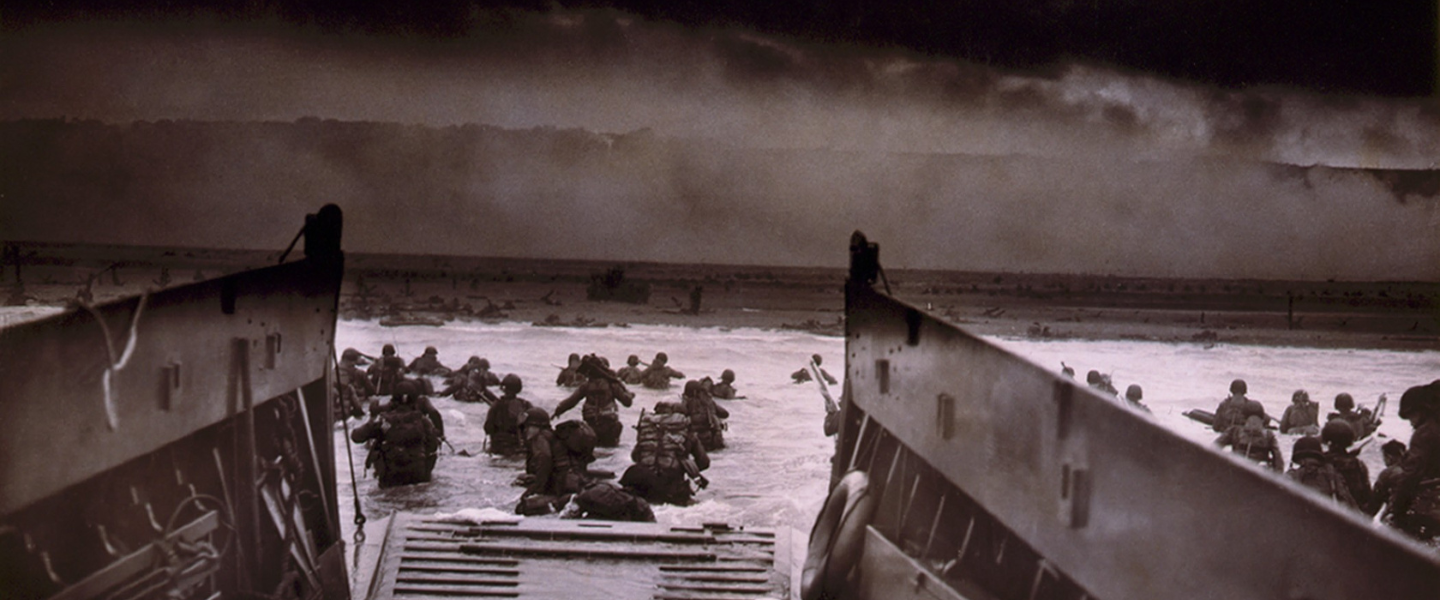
(1092, 131)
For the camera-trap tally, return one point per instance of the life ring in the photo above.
(838, 537)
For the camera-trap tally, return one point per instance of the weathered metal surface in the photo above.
(177, 380)
(1123, 506)
(555, 558)
(886, 572)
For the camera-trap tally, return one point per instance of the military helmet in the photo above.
(660, 358)
(388, 350)
(727, 376)
(1338, 432)
(1300, 396)
(1344, 402)
(1252, 409)
(406, 387)
(350, 354)
(1393, 448)
(431, 350)
(482, 363)
(693, 389)
(1308, 446)
(1238, 386)
(511, 384)
(1133, 392)
(1092, 377)
(536, 417)
(633, 360)
(1421, 398)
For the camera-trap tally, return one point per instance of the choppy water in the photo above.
(775, 469)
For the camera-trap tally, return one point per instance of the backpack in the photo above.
(660, 441)
(408, 437)
(578, 438)
(1322, 477)
(608, 501)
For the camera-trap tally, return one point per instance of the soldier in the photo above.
(1392, 452)
(550, 474)
(706, 417)
(1253, 441)
(502, 423)
(1363, 421)
(658, 375)
(607, 501)
(725, 390)
(471, 382)
(1133, 397)
(803, 375)
(1229, 413)
(428, 363)
(403, 442)
(1311, 470)
(386, 372)
(1101, 383)
(354, 388)
(667, 456)
(1338, 435)
(631, 373)
(1415, 503)
(570, 375)
(1302, 416)
(601, 391)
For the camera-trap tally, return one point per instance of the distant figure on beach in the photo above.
(725, 390)
(1101, 382)
(1338, 435)
(1230, 412)
(1313, 471)
(803, 375)
(1363, 421)
(570, 375)
(658, 375)
(1392, 452)
(1415, 504)
(631, 372)
(502, 423)
(1133, 397)
(428, 363)
(1252, 440)
(1302, 417)
(386, 371)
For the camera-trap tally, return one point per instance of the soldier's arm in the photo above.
(622, 395)
(720, 411)
(365, 432)
(676, 374)
(697, 449)
(830, 378)
(570, 401)
(543, 464)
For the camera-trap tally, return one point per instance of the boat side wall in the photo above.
(1126, 508)
(202, 353)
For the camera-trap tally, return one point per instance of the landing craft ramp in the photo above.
(427, 557)
(999, 479)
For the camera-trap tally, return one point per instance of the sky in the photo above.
(1100, 137)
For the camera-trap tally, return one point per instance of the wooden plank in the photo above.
(425, 590)
(720, 578)
(718, 589)
(456, 569)
(568, 551)
(592, 535)
(457, 581)
(711, 569)
(406, 561)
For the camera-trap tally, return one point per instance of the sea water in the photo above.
(775, 468)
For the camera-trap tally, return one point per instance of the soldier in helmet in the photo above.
(1133, 396)
(502, 423)
(354, 388)
(667, 457)
(658, 375)
(1392, 452)
(428, 363)
(570, 375)
(1415, 503)
(1363, 421)
(550, 474)
(1229, 413)
(707, 419)
(1252, 440)
(631, 372)
(1302, 416)
(403, 442)
(1338, 436)
(803, 375)
(1313, 471)
(601, 391)
(387, 371)
(725, 390)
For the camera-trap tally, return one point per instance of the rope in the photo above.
(112, 418)
(354, 485)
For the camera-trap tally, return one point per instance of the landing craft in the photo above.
(964, 471)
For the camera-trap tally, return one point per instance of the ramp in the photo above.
(424, 557)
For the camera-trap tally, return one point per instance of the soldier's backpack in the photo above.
(409, 436)
(608, 501)
(1323, 478)
(578, 438)
(660, 441)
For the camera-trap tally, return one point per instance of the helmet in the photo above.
(727, 376)
(473, 360)
(1253, 409)
(431, 350)
(1308, 446)
(1133, 392)
(693, 389)
(1394, 448)
(536, 417)
(574, 358)
(1300, 396)
(660, 358)
(1092, 377)
(1338, 432)
(482, 363)
(1238, 386)
(388, 350)
(633, 360)
(816, 358)
(350, 354)
(1421, 398)
(406, 388)
(1344, 402)
(511, 384)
